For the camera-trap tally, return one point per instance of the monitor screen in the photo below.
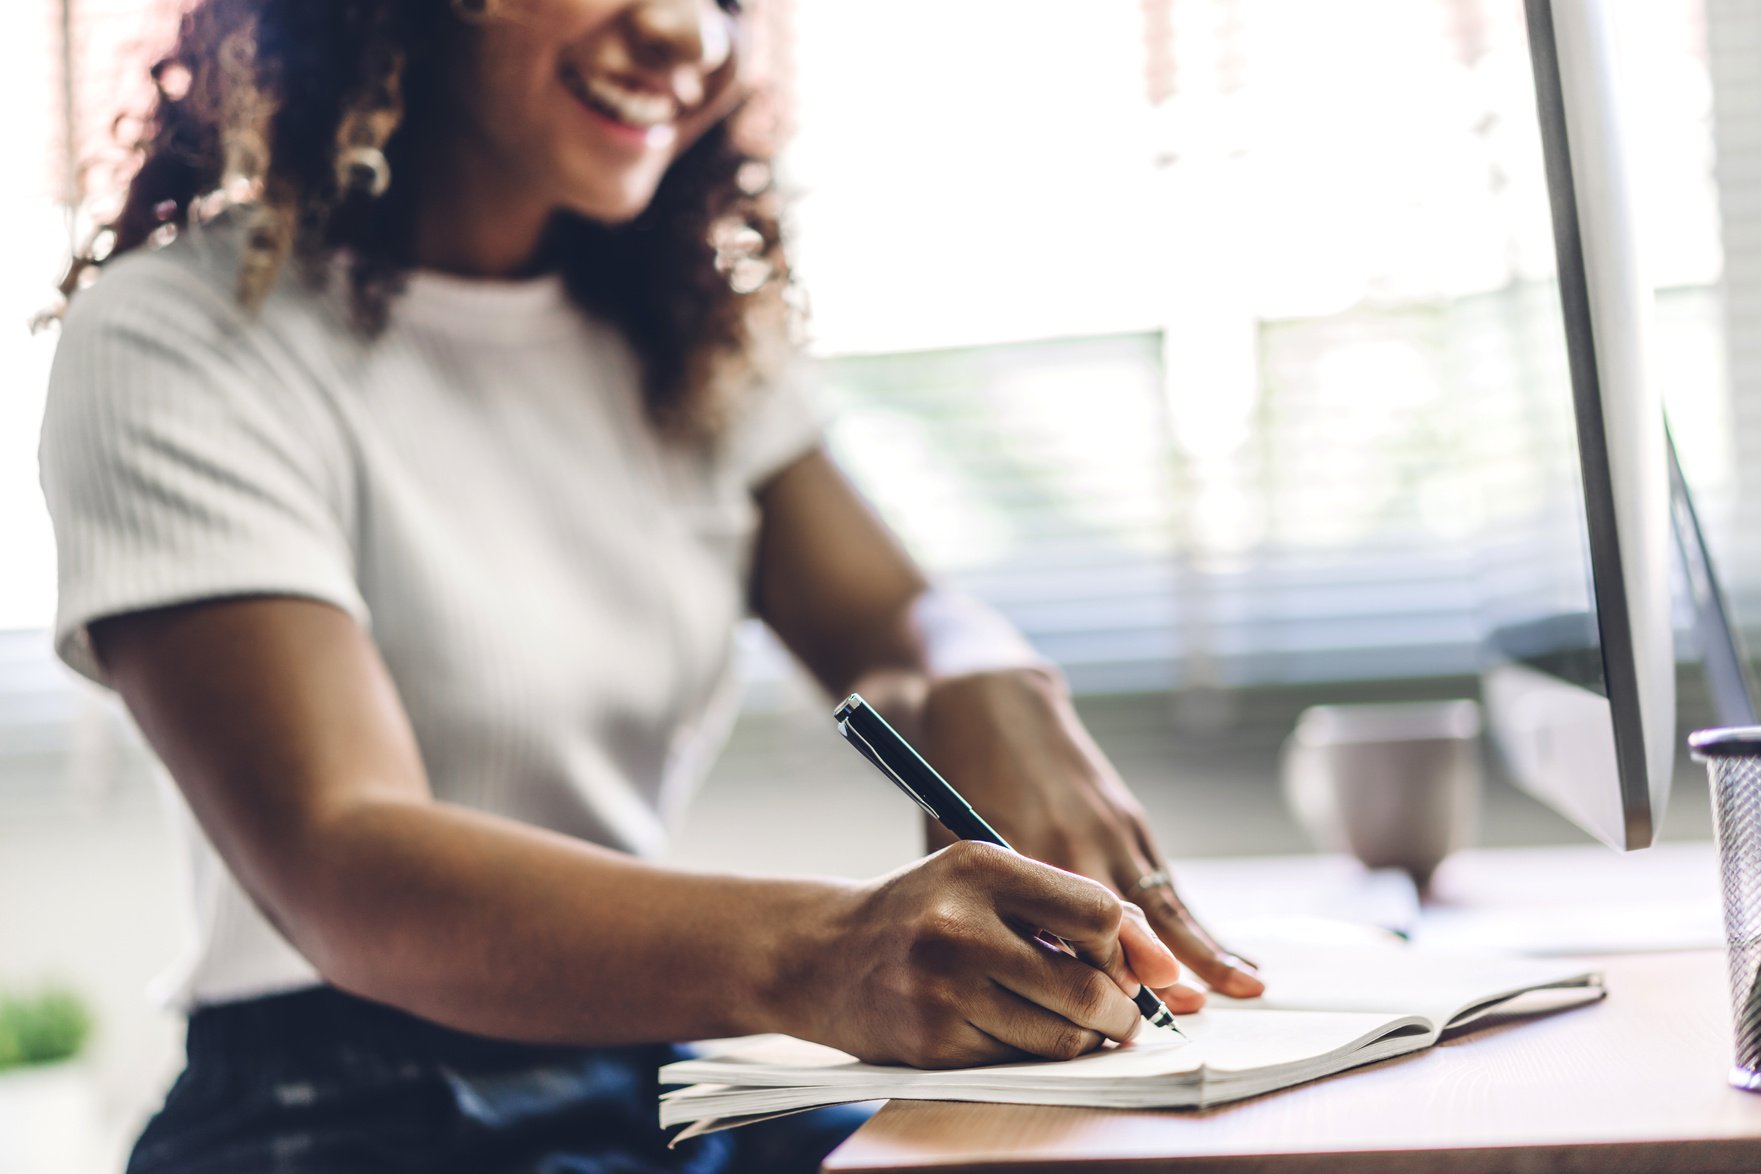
(1580, 668)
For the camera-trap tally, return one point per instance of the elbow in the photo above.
(312, 923)
(319, 893)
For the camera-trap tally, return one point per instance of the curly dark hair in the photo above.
(263, 106)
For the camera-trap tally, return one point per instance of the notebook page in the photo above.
(1392, 979)
(1215, 1040)
(1325, 1009)
(780, 1060)
(1236, 1040)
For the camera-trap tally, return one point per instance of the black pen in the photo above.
(894, 757)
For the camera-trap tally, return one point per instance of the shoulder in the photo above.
(781, 419)
(173, 311)
(188, 286)
(160, 345)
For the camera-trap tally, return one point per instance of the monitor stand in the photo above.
(1727, 670)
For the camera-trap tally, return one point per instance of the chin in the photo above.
(611, 205)
(610, 217)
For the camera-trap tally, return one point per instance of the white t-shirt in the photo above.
(553, 587)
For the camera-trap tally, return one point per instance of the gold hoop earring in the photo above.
(364, 170)
(361, 166)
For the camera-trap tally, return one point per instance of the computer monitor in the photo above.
(1581, 699)
(1729, 680)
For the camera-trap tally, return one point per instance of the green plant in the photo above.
(43, 1028)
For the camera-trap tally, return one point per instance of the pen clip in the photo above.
(855, 738)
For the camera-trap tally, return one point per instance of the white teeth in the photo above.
(633, 107)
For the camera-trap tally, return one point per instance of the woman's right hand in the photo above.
(937, 965)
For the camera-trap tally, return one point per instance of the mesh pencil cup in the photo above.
(1733, 760)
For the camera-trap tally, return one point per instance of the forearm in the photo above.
(935, 636)
(498, 928)
(848, 600)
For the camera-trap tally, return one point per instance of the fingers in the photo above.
(1222, 971)
(965, 1045)
(1146, 954)
(975, 967)
(1039, 897)
(1087, 916)
(1119, 947)
(1068, 989)
(1026, 1025)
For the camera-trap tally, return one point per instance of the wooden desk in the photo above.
(1633, 1083)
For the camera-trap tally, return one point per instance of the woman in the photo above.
(411, 464)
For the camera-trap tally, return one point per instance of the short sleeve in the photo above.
(181, 460)
(784, 420)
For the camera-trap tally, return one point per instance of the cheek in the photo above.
(493, 89)
(523, 78)
(518, 109)
(510, 55)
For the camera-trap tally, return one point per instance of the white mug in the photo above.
(1397, 786)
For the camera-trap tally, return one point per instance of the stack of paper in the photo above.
(1325, 1010)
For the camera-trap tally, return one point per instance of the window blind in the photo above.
(1171, 328)
(1732, 488)
(36, 700)
(1328, 227)
(1037, 476)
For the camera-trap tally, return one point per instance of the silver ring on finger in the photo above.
(1159, 879)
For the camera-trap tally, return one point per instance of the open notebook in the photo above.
(1326, 1009)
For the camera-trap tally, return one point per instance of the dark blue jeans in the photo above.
(320, 1081)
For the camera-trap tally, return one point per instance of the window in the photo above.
(64, 90)
(35, 704)
(1326, 226)
(1145, 319)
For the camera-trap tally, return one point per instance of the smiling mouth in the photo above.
(642, 110)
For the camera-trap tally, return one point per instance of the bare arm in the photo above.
(847, 599)
(283, 729)
(843, 594)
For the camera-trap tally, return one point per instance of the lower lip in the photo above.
(651, 137)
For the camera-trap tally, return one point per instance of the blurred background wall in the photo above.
(1180, 330)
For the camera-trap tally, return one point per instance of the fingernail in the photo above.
(1236, 962)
